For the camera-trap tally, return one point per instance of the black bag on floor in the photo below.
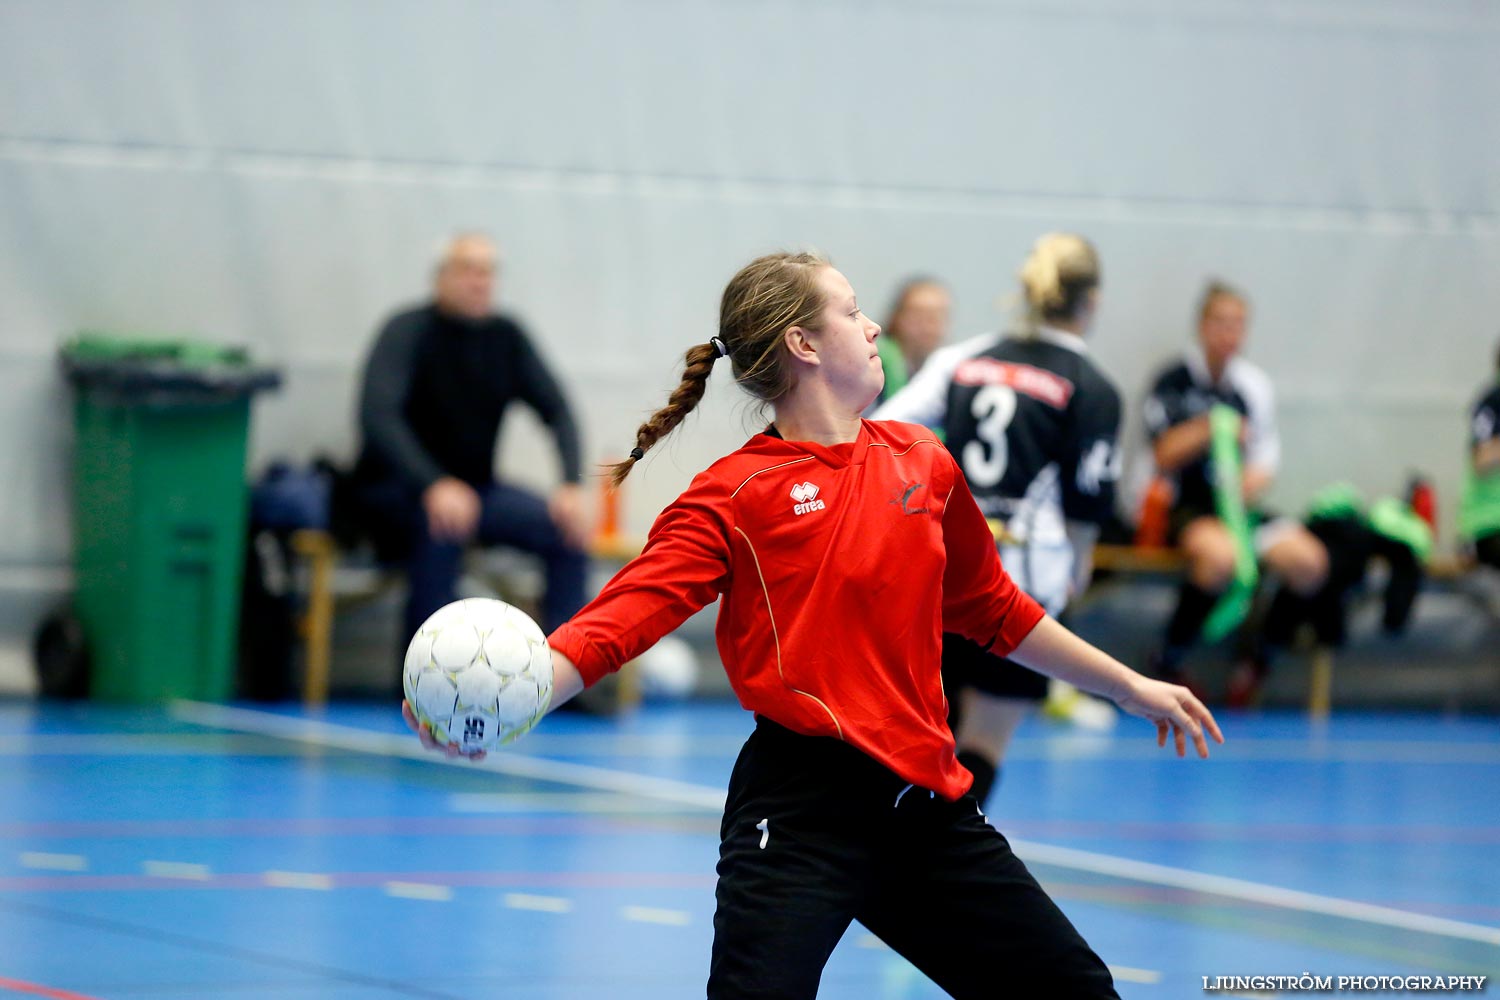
(61, 656)
(268, 619)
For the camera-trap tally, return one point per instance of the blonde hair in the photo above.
(1057, 276)
(762, 301)
(1215, 290)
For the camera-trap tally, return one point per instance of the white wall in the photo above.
(278, 172)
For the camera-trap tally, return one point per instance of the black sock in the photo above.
(1279, 627)
(1193, 607)
(986, 775)
(1487, 548)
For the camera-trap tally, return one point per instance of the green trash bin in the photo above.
(159, 512)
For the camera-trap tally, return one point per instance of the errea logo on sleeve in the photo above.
(806, 497)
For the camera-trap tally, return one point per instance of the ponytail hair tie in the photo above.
(636, 454)
(719, 346)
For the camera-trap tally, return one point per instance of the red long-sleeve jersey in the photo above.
(838, 569)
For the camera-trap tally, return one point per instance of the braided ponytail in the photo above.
(698, 364)
(768, 296)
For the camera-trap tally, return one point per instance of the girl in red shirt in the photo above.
(840, 550)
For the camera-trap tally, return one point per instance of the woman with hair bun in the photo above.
(1034, 424)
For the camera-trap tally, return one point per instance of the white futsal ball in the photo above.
(479, 672)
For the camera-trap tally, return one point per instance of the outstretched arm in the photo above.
(1052, 650)
(683, 567)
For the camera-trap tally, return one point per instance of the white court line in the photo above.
(54, 862)
(405, 745)
(1127, 974)
(542, 904)
(652, 915)
(298, 880)
(1254, 892)
(346, 737)
(419, 890)
(176, 869)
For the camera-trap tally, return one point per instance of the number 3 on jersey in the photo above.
(985, 457)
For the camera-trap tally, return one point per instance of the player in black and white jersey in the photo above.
(1178, 424)
(1034, 425)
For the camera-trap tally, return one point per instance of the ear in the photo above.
(799, 345)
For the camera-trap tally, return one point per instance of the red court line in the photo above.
(16, 986)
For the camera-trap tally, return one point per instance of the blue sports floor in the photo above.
(207, 852)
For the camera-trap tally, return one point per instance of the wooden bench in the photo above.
(325, 595)
(321, 556)
(1129, 560)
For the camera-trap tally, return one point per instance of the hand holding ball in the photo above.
(478, 673)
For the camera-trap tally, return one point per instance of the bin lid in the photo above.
(146, 371)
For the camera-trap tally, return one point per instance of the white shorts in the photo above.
(1044, 571)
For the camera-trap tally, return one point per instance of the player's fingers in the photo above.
(423, 731)
(1161, 732)
(1203, 715)
(1183, 718)
(1192, 715)
(1203, 727)
(1179, 739)
(1199, 742)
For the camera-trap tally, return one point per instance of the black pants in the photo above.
(967, 664)
(509, 516)
(1487, 548)
(816, 834)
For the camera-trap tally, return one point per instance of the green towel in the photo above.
(894, 364)
(1229, 498)
(1395, 520)
(1388, 517)
(1479, 508)
(1341, 500)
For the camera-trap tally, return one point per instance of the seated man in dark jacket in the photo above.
(435, 390)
